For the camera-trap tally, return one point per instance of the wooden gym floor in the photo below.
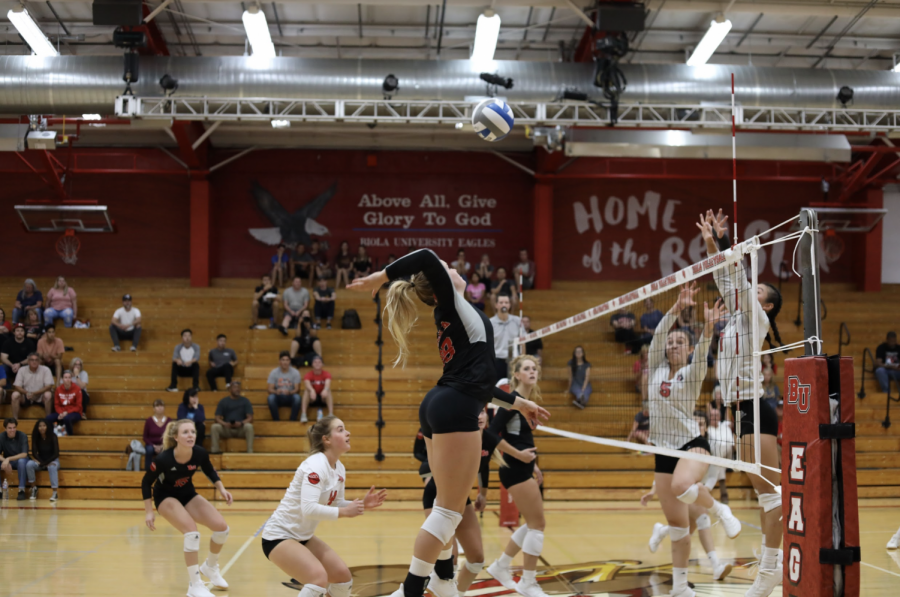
(102, 548)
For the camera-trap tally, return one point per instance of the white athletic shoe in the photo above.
(721, 571)
(529, 589)
(765, 583)
(732, 525)
(502, 575)
(214, 576)
(687, 592)
(659, 533)
(442, 588)
(894, 543)
(398, 592)
(198, 589)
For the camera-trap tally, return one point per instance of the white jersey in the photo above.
(721, 442)
(315, 494)
(735, 365)
(673, 398)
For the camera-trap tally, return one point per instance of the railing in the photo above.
(799, 321)
(862, 388)
(841, 343)
(379, 394)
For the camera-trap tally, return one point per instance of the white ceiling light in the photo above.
(718, 29)
(91, 117)
(30, 31)
(281, 124)
(258, 32)
(486, 33)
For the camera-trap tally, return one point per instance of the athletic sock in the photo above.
(193, 574)
(717, 508)
(713, 558)
(679, 580)
(212, 560)
(769, 558)
(505, 560)
(529, 576)
(444, 568)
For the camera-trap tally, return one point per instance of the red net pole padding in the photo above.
(809, 498)
(509, 512)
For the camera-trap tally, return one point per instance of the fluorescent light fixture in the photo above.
(281, 124)
(896, 68)
(486, 33)
(258, 32)
(30, 32)
(718, 29)
(91, 117)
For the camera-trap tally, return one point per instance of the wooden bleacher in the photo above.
(124, 385)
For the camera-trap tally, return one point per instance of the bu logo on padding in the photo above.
(798, 393)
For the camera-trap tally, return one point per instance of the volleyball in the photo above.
(493, 119)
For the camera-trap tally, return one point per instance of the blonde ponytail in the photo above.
(514, 368)
(401, 312)
(171, 432)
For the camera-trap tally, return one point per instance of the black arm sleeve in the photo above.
(498, 425)
(207, 468)
(427, 262)
(724, 242)
(149, 479)
(501, 396)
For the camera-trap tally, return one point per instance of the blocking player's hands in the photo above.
(712, 316)
(685, 297)
(718, 221)
(709, 235)
(352, 510)
(371, 283)
(373, 498)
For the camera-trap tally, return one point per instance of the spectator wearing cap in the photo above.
(316, 390)
(126, 325)
(62, 303)
(222, 361)
(51, 350)
(185, 361)
(28, 299)
(15, 351)
(33, 385)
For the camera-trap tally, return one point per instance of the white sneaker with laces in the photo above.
(730, 522)
(303, 418)
(54, 497)
(116, 349)
(33, 492)
(502, 575)
(529, 589)
(442, 588)
(198, 589)
(721, 571)
(214, 576)
(765, 583)
(659, 533)
(894, 543)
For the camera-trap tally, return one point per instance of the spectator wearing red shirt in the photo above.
(316, 389)
(66, 403)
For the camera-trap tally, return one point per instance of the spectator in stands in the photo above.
(62, 302)
(461, 266)
(234, 418)
(524, 268)
(887, 362)
(307, 344)
(67, 405)
(771, 393)
(766, 361)
(33, 327)
(15, 352)
(2, 385)
(362, 265)
(622, 323)
(534, 348)
(316, 390)
(265, 296)
(506, 328)
(33, 385)
(503, 286)
(343, 263)
(295, 300)
(126, 325)
(80, 377)
(579, 377)
(301, 262)
(5, 326)
(154, 429)
(721, 442)
(14, 451)
(190, 408)
(640, 429)
(641, 370)
(51, 350)
(321, 267)
(475, 290)
(324, 307)
(185, 361)
(485, 269)
(284, 387)
(28, 299)
(280, 263)
(222, 361)
(718, 404)
(651, 318)
(45, 455)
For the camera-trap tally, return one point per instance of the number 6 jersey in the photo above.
(315, 494)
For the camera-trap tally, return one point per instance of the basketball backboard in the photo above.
(81, 216)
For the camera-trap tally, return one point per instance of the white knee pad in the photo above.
(442, 524)
(703, 522)
(340, 589)
(690, 496)
(678, 533)
(192, 542)
(534, 542)
(220, 537)
(474, 567)
(518, 537)
(769, 501)
(312, 591)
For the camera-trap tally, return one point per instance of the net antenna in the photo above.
(67, 247)
(734, 159)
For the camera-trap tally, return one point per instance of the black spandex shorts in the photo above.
(667, 464)
(430, 493)
(265, 310)
(768, 418)
(160, 493)
(269, 544)
(447, 410)
(517, 471)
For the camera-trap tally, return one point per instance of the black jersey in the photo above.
(465, 336)
(165, 471)
(513, 427)
(489, 443)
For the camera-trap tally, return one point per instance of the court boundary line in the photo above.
(243, 548)
(880, 569)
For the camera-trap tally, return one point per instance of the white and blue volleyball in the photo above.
(493, 119)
